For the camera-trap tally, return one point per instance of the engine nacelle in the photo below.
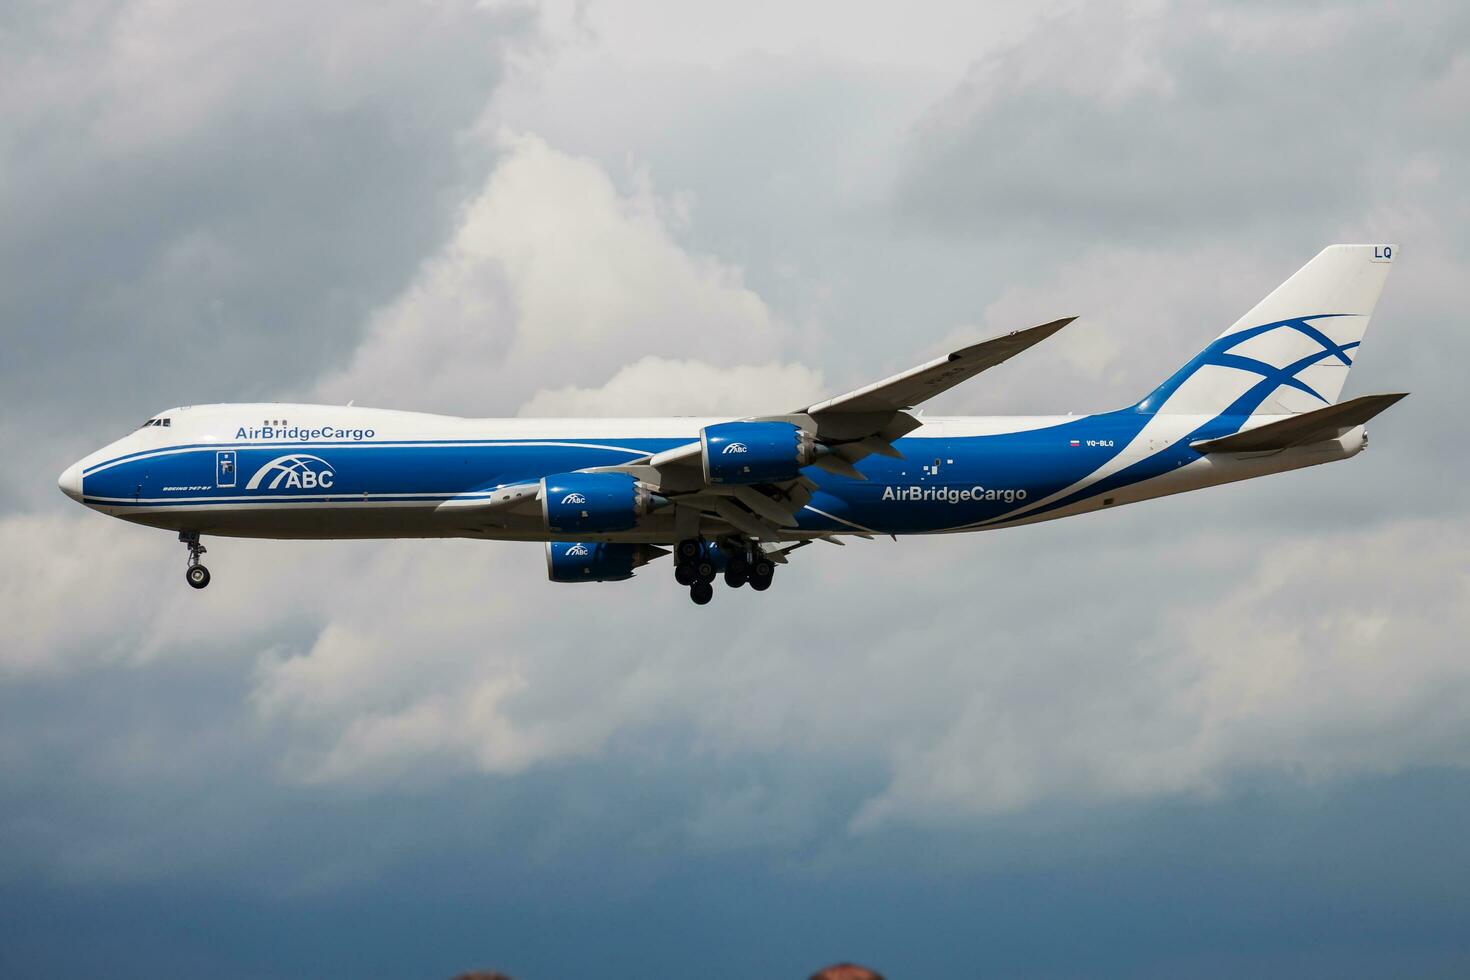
(594, 502)
(595, 561)
(755, 452)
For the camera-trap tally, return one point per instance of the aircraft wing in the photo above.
(916, 385)
(867, 419)
(845, 428)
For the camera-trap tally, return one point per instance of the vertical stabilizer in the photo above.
(1292, 352)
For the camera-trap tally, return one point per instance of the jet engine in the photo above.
(594, 561)
(594, 502)
(755, 452)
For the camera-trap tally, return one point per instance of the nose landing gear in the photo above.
(195, 574)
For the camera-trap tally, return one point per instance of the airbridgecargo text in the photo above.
(296, 433)
(951, 495)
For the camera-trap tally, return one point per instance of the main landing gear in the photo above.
(195, 574)
(697, 562)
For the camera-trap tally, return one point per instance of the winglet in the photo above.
(909, 388)
(1028, 337)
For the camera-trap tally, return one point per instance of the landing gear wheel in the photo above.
(761, 574)
(195, 574)
(733, 578)
(738, 564)
(684, 574)
(689, 549)
(704, 569)
(701, 593)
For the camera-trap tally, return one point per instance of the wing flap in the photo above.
(744, 520)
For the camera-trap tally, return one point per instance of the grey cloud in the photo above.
(392, 669)
(1109, 123)
(985, 732)
(203, 203)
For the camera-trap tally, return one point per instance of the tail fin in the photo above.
(1291, 353)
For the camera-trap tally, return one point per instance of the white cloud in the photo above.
(1332, 656)
(434, 663)
(1286, 659)
(554, 273)
(658, 386)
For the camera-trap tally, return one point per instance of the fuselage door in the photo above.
(224, 468)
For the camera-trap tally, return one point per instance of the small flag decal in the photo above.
(1076, 443)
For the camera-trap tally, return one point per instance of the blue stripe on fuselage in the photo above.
(444, 469)
(977, 478)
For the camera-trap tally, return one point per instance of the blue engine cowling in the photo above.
(593, 502)
(595, 561)
(755, 452)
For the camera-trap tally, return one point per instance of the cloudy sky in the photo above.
(1216, 734)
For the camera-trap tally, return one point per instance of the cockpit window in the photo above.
(163, 422)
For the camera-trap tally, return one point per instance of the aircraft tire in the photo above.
(684, 573)
(197, 576)
(734, 579)
(705, 570)
(701, 593)
(688, 549)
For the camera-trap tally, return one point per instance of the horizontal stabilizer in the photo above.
(1300, 430)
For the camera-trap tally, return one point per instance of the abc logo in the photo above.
(295, 472)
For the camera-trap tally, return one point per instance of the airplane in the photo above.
(735, 497)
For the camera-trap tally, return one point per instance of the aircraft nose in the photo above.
(70, 482)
